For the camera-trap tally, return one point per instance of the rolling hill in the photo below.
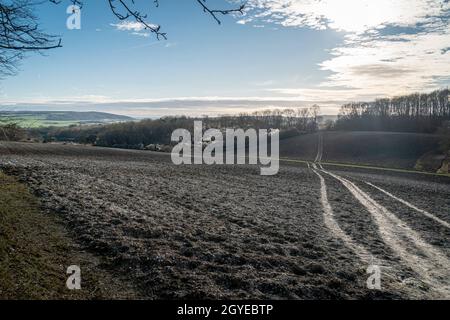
(34, 119)
(383, 149)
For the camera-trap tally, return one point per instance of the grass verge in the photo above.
(35, 252)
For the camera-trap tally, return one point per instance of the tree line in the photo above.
(138, 134)
(416, 112)
(12, 132)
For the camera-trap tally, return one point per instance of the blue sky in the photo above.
(280, 53)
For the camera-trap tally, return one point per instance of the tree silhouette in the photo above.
(20, 32)
(411, 113)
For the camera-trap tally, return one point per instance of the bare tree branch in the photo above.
(137, 16)
(123, 10)
(20, 33)
(215, 12)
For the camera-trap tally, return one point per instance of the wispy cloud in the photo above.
(192, 106)
(324, 95)
(136, 28)
(391, 47)
(141, 34)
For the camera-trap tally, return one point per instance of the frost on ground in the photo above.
(205, 231)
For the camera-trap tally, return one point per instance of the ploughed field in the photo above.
(310, 232)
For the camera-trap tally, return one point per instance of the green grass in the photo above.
(36, 119)
(35, 252)
(36, 122)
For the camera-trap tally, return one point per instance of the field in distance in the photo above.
(36, 119)
(381, 149)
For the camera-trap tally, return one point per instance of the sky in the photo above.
(279, 53)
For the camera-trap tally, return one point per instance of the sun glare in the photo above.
(353, 15)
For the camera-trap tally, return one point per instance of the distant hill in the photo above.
(33, 119)
(383, 149)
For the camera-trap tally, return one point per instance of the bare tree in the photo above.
(415, 112)
(20, 32)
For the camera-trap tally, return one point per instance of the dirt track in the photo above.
(227, 232)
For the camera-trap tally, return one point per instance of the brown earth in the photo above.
(223, 231)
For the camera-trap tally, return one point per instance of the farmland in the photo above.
(37, 119)
(381, 149)
(227, 232)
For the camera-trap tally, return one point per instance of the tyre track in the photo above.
(328, 214)
(430, 264)
(365, 256)
(425, 213)
(333, 226)
(319, 148)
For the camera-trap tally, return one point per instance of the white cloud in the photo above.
(138, 29)
(128, 26)
(345, 15)
(416, 63)
(322, 95)
(242, 21)
(391, 47)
